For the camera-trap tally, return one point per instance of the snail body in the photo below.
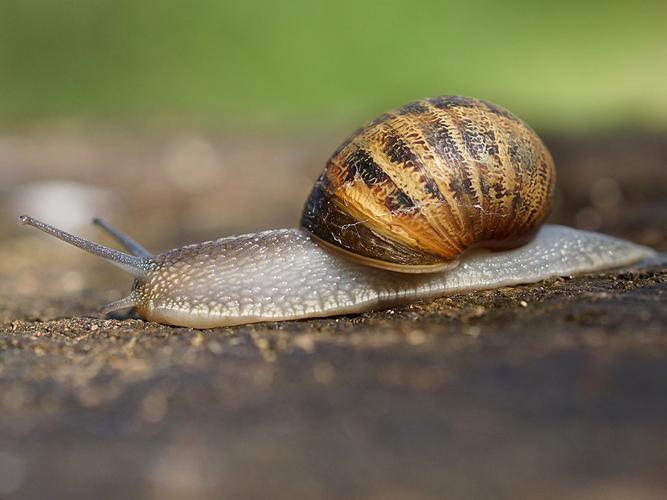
(440, 196)
(283, 274)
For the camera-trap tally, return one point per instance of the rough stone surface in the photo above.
(553, 390)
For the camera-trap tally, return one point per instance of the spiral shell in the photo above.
(417, 186)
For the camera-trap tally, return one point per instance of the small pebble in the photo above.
(323, 372)
(473, 331)
(416, 337)
(215, 347)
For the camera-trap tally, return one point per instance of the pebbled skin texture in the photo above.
(284, 275)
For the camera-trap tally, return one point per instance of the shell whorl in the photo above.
(417, 186)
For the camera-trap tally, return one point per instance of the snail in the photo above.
(442, 195)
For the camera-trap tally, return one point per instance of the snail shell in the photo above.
(414, 188)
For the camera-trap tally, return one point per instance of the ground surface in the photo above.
(554, 390)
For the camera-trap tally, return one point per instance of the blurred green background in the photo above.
(566, 65)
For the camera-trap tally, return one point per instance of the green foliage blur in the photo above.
(566, 65)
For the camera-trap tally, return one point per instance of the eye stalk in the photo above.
(136, 265)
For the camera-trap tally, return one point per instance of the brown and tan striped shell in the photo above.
(417, 186)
